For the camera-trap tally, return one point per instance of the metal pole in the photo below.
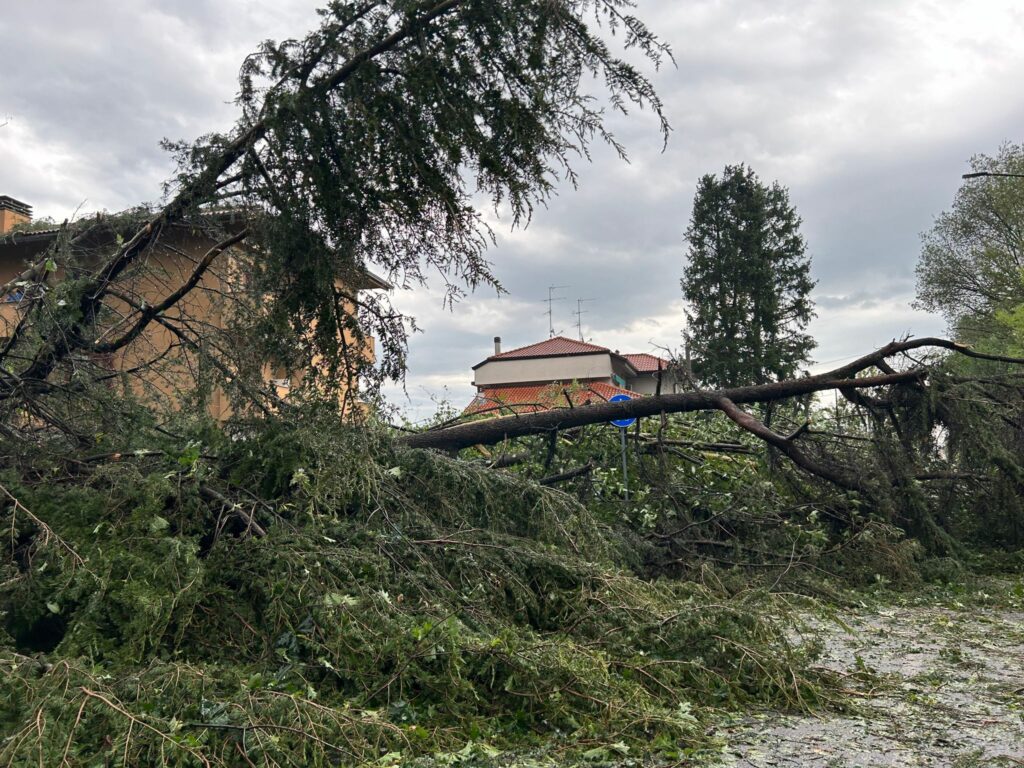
(625, 472)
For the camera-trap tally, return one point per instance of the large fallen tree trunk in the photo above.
(844, 379)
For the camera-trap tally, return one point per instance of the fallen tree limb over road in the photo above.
(844, 378)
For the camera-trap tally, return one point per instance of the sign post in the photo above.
(623, 424)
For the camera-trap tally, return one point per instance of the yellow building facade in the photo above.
(161, 365)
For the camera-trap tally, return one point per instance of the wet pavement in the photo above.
(932, 685)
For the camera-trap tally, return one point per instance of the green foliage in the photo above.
(381, 160)
(970, 270)
(704, 497)
(938, 470)
(747, 282)
(970, 265)
(400, 602)
(38, 224)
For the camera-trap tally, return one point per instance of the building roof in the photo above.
(371, 280)
(28, 236)
(644, 362)
(15, 205)
(533, 398)
(557, 346)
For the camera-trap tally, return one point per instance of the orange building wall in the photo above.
(10, 219)
(176, 372)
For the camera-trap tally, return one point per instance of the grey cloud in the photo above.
(862, 300)
(771, 84)
(106, 82)
(866, 111)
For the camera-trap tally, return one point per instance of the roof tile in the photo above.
(645, 362)
(557, 345)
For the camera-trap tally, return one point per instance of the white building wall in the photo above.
(648, 385)
(644, 385)
(524, 371)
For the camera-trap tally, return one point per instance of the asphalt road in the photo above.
(934, 684)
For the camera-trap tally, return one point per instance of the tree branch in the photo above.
(491, 431)
(586, 469)
(198, 190)
(150, 312)
(788, 447)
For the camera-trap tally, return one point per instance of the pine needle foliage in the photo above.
(383, 133)
(375, 141)
(400, 604)
(746, 282)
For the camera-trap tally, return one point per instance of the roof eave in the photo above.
(500, 359)
(624, 359)
(370, 281)
(374, 282)
(21, 238)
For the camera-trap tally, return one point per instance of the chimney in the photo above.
(12, 213)
(497, 345)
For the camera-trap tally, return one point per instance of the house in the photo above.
(561, 372)
(648, 368)
(156, 364)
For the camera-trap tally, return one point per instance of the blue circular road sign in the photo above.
(621, 423)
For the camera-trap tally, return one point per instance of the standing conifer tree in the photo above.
(747, 282)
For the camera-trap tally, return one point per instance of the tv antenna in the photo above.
(550, 300)
(579, 313)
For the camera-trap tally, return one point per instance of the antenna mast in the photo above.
(550, 300)
(579, 313)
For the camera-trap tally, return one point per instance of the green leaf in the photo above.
(339, 600)
(596, 754)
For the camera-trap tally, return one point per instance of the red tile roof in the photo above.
(533, 398)
(647, 363)
(555, 346)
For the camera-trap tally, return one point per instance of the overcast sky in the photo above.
(867, 111)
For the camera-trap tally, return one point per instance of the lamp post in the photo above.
(982, 174)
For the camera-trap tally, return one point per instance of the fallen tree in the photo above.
(845, 379)
(924, 445)
(353, 599)
(367, 141)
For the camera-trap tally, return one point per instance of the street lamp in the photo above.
(981, 174)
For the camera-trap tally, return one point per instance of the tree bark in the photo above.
(586, 469)
(787, 446)
(496, 430)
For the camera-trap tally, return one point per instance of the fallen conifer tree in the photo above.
(279, 589)
(316, 595)
(847, 379)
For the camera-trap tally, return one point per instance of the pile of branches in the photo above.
(322, 596)
(918, 458)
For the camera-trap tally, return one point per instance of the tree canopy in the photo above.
(369, 141)
(746, 282)
(373, 139)
(973, 256)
